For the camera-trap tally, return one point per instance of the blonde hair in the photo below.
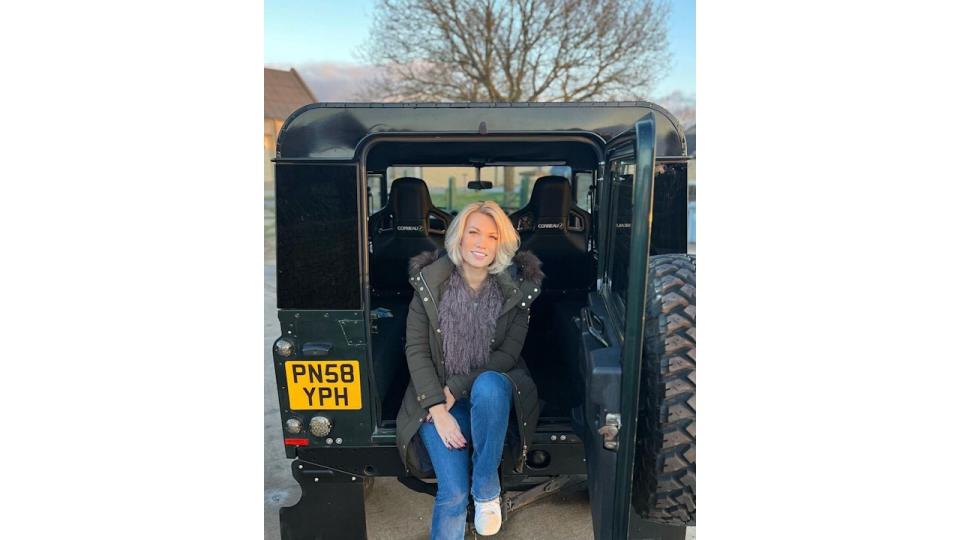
(507, 246)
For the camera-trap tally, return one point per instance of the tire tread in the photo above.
(665, 490)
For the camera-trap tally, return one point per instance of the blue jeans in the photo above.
(483, 421)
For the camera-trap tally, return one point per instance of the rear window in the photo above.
(448, 185)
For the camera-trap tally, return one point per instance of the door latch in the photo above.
(610, 431)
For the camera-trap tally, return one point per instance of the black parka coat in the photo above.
(429, 273)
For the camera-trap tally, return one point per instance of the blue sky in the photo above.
(299, 32)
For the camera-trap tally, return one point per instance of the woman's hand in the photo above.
(447, 427)
(449, 404)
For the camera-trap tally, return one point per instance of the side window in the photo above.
(373, 192)
(622, 210)
(582, 196)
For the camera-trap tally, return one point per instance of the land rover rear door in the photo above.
(612, 334)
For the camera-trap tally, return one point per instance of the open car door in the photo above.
(611, 340)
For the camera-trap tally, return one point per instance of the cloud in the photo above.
(681, 105)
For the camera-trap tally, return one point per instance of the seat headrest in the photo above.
(551, 198)
(409, 200)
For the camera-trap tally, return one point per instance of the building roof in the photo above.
(283, 93)
(691, 136)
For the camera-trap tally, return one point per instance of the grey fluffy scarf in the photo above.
(468, 321)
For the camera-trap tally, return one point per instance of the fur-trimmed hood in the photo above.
(525, 264)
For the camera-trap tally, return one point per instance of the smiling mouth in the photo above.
(478, 254)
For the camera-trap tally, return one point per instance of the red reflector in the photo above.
(295, 442)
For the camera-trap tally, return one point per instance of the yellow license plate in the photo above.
(324, 385)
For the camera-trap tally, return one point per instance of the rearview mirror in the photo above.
(479, 184)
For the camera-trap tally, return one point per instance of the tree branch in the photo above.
(509, 50)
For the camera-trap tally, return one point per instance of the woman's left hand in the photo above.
(449, 404)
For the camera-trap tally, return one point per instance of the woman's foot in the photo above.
(486, 517)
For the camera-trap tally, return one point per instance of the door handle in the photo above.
(315, 348)
(594, 325)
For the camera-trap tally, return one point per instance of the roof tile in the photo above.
(283, 93)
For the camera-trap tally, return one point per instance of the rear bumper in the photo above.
(562, 457)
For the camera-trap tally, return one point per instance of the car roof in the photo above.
(334, 131)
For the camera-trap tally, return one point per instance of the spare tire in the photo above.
(665, 486)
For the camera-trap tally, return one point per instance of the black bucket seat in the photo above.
(557, 232)
(408, 225)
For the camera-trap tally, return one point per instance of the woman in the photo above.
(465, 329)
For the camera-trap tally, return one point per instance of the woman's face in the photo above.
(478, 246)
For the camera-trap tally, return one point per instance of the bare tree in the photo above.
(517, 50)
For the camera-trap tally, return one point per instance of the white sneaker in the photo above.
(486, 517)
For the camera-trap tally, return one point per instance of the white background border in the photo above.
(133, 269)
